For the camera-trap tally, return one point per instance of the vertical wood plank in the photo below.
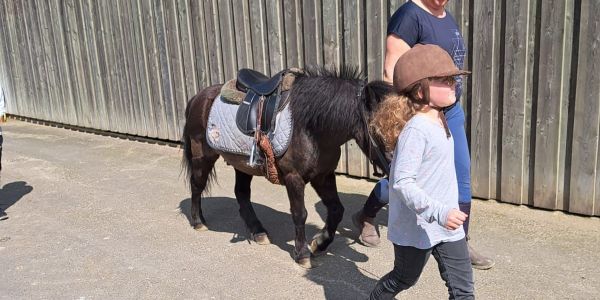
(275, 36)
(88, 100)
(28, 52)
(213, 38)
(376, 22)
(517, 100)
(64, 79)
(46, 40)
(586, 127)
(105, 42)
(190, 82)
(152, 70)
(484, 103)
(126, 119)
(312, 26)
(6, 83)
(552, 108)
(243, 35)
(354, 49)
(227, 35)
(332, 33)
(176, 70)
(200, 44)
(90, 18)
(167, 103)
(294, 44)
(39, 67)
(136, 68)
(258, 24)
(12, 76)
(75, 62)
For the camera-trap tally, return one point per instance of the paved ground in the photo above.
(99, 217)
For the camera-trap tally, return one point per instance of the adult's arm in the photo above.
(394, 48)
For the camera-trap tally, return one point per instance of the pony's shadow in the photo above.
(339, 274)
(222, 215)
(337, 271)
(12, 192)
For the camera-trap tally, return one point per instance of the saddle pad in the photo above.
(222, 133)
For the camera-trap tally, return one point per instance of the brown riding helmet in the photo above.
(423, 61)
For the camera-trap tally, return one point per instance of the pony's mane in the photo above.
(325, 98)
(345, 72)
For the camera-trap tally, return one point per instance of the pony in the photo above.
(329, 107)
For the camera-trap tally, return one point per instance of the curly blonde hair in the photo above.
(392, 113)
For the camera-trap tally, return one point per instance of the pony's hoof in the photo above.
(262, 239)
(314, 248)
(306, 263)
(200, 227)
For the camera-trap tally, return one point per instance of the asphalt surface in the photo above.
(99, 217)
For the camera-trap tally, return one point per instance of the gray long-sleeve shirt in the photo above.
(423, 186)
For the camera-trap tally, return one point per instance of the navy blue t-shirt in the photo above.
(414, 25)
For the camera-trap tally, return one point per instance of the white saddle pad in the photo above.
(223, 135)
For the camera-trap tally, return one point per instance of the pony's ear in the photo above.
(376, 92)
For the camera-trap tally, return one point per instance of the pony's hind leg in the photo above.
(327, 190)
(242, 194)
(201, 173)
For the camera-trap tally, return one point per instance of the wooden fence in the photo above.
(129, 66)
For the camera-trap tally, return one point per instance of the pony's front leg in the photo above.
(295, 188)
(327, 190)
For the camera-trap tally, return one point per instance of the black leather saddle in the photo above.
(258, 88)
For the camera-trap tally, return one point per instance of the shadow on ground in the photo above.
(337, 271)
(12, 192)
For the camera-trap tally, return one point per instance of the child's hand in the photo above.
(455, 219)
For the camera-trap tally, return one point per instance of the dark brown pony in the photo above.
(328, 109)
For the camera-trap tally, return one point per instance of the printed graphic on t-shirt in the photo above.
(458, 56)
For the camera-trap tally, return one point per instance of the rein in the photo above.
(373, 147)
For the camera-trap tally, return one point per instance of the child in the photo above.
(424, 218)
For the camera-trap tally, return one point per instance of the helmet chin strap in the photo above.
(442, 117)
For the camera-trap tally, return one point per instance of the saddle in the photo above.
(256, 114)
(263, 94)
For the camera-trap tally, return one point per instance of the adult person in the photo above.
(426, 22)
(3, 215)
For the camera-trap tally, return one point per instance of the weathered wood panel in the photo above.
(518, 65)
(586, 129)
(294, 45)
(313, 37)
(552, 103)
(482, 101)
(228, 46)
(129, 66)
(275, 36)
(242, 34)
(354, 50)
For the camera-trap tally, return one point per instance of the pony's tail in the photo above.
(186, 141)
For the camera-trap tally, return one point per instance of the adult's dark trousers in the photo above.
(453, 263)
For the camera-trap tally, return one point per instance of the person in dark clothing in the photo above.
(3, 215)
